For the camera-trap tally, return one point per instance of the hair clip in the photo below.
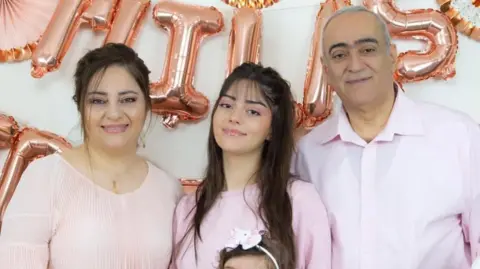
(249, 239)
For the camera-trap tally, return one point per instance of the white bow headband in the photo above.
(249, 239)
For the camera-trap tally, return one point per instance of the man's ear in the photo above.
(393, 56)
(325, 69)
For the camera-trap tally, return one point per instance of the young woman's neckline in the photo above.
(102, 189)
(248, 189)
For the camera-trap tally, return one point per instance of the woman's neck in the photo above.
(240, 170)
(108, 160)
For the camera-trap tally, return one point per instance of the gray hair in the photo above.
(354, 9)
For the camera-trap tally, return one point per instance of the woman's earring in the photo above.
(142, 140)
(141, 143)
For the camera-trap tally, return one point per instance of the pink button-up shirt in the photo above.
(404, 200)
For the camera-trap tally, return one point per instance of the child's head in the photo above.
(249, 250)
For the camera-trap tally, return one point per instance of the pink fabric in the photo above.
(404, 200)
(59, 219)
(235, 209)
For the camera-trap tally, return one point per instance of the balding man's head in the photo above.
(356, 9)
(358, 57)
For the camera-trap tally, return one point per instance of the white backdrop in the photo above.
(287, 31)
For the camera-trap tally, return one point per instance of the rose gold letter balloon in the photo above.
(427, 25)
(317, 94)
(29, 145)
(99, 14)
(128, 20)
(8, 130)
(174, 96)
(244, 44)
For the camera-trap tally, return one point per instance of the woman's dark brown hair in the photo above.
(273, 178)
(227, 254)
(92, 65)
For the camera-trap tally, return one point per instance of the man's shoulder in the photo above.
(436, 116)
(312, 137)
(438, 111)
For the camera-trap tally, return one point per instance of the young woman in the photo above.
(100, 205)
(248, 184)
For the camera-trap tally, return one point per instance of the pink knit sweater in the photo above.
(58, 219)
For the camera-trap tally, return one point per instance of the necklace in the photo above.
(114, 187)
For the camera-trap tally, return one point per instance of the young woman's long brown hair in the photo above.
(273, 177)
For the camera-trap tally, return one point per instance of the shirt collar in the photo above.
(404, 120)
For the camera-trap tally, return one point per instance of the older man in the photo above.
(398, 176)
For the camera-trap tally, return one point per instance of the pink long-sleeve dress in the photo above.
(236, 209)
(59, 219)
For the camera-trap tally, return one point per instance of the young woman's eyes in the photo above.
(249, 111)
(225, 105)
(97, 101)
(129, 100)
(253, 112)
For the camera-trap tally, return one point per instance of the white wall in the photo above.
(288, 27)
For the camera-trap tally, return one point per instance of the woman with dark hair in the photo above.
(248, 184)
(99, 205)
